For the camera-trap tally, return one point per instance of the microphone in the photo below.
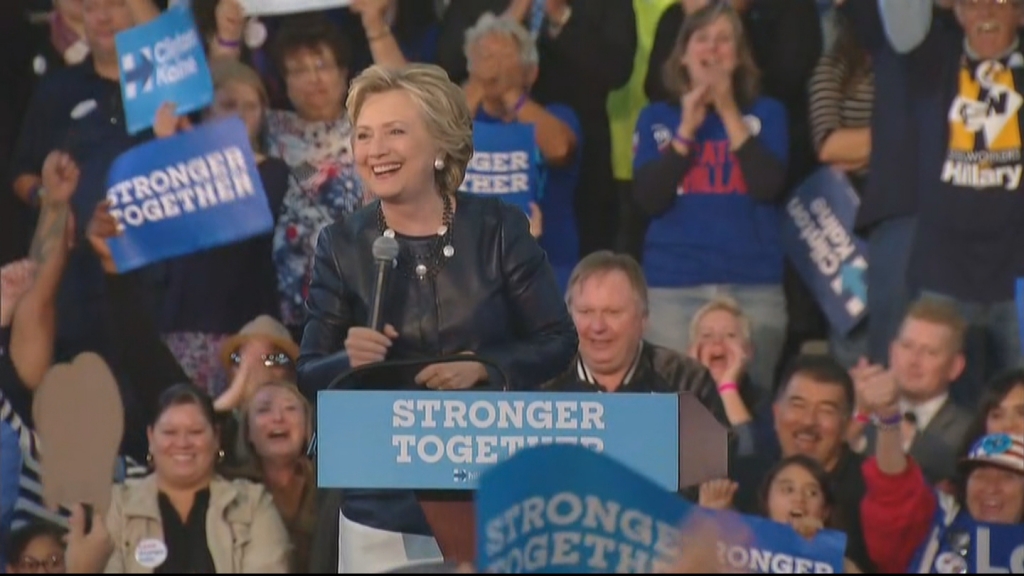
(385, 250)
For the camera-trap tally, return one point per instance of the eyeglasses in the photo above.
(269, 360)
(320, 66)
(52, 564)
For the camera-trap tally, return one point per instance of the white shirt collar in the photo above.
(925, 411)
(586, 375)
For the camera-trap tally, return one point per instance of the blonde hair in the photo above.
(224, 71)
(605, 261)
(746, 79)
(721, 304)
(443, 106)
(244, 450)
(942, 313)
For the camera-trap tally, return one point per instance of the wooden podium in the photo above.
(389, 453)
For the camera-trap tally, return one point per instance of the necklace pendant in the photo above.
(448, 251)
(421, 270)
(389, 233)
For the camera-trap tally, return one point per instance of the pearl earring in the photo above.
(439, 164)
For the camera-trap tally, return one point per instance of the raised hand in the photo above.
(694, 105)
(878, 390)
(167, 123)
(15, 280)
(103, 226)
(737, 360)
(717, 494)
(87, 553)
(230, 17)
(60, 178)
(366, 345)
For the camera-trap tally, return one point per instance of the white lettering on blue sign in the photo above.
(196, 184)
(477, 447)
(497, 173)
(829, 243)
(984, 556)
(607, 537)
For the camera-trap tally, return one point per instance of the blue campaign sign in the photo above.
(565, 510)
(818, 237)
(505, 163)
(187, 193)
(444, 440)
(998, 548)
(162, 61)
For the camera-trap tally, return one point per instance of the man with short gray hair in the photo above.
(607, 298)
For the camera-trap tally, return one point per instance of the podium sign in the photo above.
(427, 440)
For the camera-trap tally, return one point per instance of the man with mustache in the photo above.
(812, 410)
(965, 81)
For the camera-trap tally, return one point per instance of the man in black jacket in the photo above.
(607, 297)
(586, 51)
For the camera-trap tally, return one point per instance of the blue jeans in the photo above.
(672, 310)
(992, 345)
(889, 292)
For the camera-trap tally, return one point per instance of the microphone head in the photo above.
(385, 249)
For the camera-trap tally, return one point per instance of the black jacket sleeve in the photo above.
(664, 41)
(546, 336)
(328, 317)
(148, 364)
(655, 183)
(764, 172)
(598, 43)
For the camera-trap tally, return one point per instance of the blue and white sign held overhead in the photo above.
(818, 238)
(162, 61)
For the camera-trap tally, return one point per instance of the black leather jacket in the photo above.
(496, 297)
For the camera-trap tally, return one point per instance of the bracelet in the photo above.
(688, 143)
(862, 418)
(727, 387)
(384, 33)
(228, 43)
(889, 423)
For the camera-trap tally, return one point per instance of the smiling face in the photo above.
(990, 25)
(925, 359)
(316, 83)
(184, 446)
(102, 20)
(1008, 416)
(278, 424)
(995, 495)
(713, 46)
(795, 494)
(610, 321)
(810, 419)
(393, 149)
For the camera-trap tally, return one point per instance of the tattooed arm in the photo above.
(34, 325)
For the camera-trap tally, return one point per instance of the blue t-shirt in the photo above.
(559, 239)
(714, 233)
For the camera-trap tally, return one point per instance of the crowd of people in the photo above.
(670, 135)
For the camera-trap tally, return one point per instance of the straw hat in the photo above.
(262, 327)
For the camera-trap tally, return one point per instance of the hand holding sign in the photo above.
(717, 494)
(230, 17)
(87, 551)
(167, 122)
(101, 227)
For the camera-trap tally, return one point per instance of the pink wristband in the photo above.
(687, 142)
(862, 418)
(727, 387)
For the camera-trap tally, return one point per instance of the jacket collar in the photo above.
(142, 501)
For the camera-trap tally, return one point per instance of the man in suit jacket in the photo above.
(926, 357)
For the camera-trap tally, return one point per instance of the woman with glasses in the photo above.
(36, 548)
(211, 294)
(909, 526)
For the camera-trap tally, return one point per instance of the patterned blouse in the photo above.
(323, 186)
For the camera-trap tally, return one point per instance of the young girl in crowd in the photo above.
(36, 548)
(796, 492)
